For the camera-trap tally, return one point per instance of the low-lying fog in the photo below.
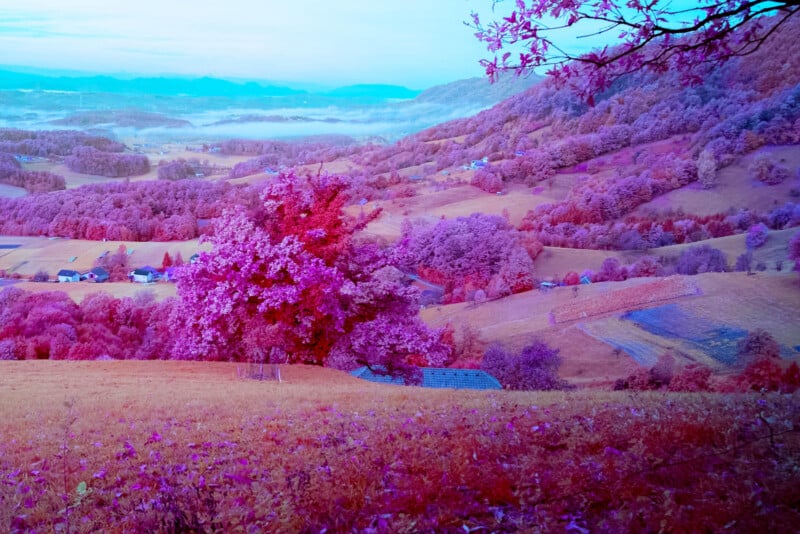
(192, 118)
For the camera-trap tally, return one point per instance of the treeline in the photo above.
(278, 154)
(50, 325)
(47, 143)
(181, 169)
(89, 160)
(127, 211)
(11, 173)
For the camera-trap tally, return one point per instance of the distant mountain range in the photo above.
(197, 87)
(10, 80)
(473, 91)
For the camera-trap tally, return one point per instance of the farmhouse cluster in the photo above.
(139, 275)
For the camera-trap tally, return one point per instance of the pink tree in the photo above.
(292, 278)
(657, 36)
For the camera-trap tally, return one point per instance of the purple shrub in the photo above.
(475, 252)
(486, 180)
(611, 271)
(41, 276)
(744, 263)
(646, 266)
(756, 236)
(534, 368)
(765, 170)
(701, 259)
(794, 250)
(757, 345)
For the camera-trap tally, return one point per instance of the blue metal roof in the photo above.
(438, 377)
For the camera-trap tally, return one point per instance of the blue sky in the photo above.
(416, 43)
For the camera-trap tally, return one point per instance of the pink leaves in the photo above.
(654, 37)
(295, 285)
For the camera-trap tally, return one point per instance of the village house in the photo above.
(97, 275)
(144, 275)
(68, 275)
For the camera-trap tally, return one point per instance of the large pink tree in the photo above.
(655, 35)
(292, 282)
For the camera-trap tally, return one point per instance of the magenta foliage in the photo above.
(294, 281)
(653, 36)
(180, 169)
(468, 253)
(11, 173)
(51, 325)
(487, 180)
(275, 155)
(136, 211)
(611, 271)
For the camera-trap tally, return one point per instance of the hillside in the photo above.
(137, 445)
(478, 91)
(623, 193)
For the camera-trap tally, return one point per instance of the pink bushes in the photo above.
(486, 180)
(759, 369)
(470, 253)
(765, 170)
(89, 160)
(180, 169)
(50, 325)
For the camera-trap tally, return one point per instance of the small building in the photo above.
(585, 280)
(437, 377)
(194, 258)
(97, 274)
(547, 285)
(68, 275)
(479, 163)
(142, 276)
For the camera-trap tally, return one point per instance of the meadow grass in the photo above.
(187, 446)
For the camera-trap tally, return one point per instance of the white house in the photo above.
(68, 275)
(142, 276)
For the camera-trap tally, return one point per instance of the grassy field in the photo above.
(770, 301)
(186, 446)
(52, 255)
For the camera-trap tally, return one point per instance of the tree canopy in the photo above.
(654, 35)
(291, 280)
